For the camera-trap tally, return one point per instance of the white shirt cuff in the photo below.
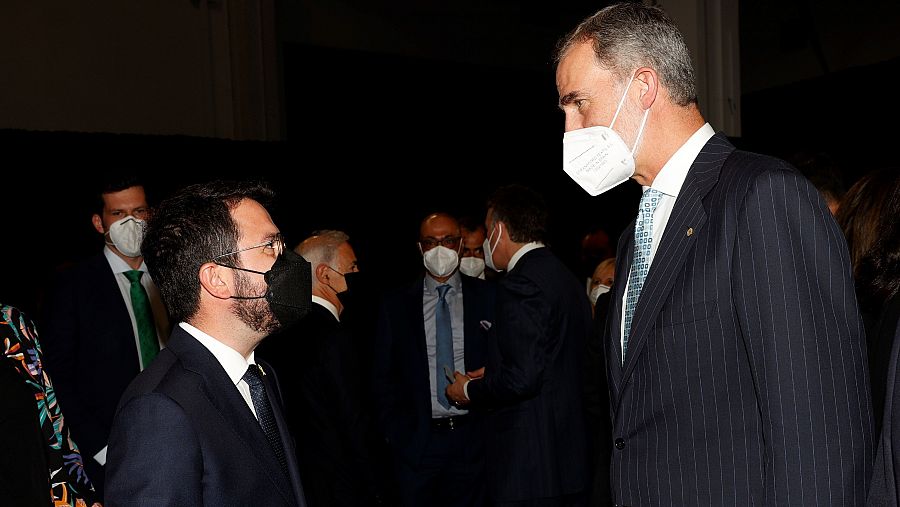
(466, 389)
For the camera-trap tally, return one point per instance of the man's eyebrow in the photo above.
(568, 98)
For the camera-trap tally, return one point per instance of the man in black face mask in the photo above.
(205, 409)
(322, 384)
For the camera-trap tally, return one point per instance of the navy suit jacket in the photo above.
(745, 379)
(90, 350)
(317, 366)
(183, 435)
(536, 444)
(402, 381)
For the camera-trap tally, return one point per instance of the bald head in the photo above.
(438, 225)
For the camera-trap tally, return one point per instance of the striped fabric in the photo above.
(745, 381)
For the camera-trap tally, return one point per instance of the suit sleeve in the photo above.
(60, 340)
(383, 380)
(154, 456)
(523, 343)
(795, 303)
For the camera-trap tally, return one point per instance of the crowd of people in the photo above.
(739, 348)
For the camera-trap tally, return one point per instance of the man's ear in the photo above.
(98, 223)
(322, 273)
(215, 281)
(649, 86)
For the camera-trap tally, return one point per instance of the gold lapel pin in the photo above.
(690, 231)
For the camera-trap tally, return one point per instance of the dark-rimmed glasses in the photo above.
(451, 242)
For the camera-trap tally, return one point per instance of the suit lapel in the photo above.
(675, 245)
(417, 321)
(274, 391)
(613, 339)
(471, 304)
(227, 400)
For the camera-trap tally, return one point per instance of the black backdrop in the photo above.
(375, 142)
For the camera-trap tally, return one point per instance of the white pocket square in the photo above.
(485, 325)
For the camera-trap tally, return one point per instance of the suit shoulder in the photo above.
(479, 285)
(165, 376)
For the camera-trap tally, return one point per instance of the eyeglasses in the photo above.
(273, 247)
(447, 241)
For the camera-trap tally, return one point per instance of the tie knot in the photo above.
(650, 200)
(134, 275)
(253, 376)
(442, 290)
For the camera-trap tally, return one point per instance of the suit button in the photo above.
(619, 443)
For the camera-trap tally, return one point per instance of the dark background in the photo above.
(376, 140)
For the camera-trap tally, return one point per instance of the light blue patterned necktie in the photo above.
(443, 346)
(640, 265)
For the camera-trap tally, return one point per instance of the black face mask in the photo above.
(289, 292)
(352, 280)
(290, 287)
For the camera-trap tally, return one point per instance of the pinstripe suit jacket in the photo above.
(745, 381)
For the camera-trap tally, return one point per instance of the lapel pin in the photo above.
(690, 231)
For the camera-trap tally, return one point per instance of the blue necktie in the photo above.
(640, 265)
(263, 408)
(444, 346)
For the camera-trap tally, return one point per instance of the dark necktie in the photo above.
(443, 346)
(263, 408)
(143, 316)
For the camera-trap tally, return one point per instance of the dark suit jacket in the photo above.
(321, 387)
(536, 441)
(89, 346)
(886, 477)
(183, 435)
(745, 380)
(401, 377)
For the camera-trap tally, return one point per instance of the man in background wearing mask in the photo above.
(426, 331)
(320, 375)
(104, 322)
(735, 352)
(204, 424)
(471, 260)
(535, 434)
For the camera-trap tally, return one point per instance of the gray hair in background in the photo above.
(628, 36)
(321, 247)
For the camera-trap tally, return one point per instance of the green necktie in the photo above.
(143, 315)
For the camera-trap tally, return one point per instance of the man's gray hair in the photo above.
(627, 36)
(321, 247)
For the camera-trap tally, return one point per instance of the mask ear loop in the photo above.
(619, 108)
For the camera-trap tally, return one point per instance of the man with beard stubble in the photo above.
(204, 425)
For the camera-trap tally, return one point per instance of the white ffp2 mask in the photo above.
(127, 234)
(472, 266)
(440, 261)
(597, 158)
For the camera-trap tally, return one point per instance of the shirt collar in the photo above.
(672, 175)
(117, 264)
(524, 249)
(327, 305)
(232, 361)
(431, 284)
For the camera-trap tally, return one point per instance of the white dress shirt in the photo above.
(524, 249)
(327, 305)
(119, 268)
(669, 181)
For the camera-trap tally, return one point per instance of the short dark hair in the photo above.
(110, 183)
(522, 210)
(189, 229)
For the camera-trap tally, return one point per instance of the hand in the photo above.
(456, 391)
(476, 374)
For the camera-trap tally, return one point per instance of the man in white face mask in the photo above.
(733, 331)
(104, 321)
(426, 331)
